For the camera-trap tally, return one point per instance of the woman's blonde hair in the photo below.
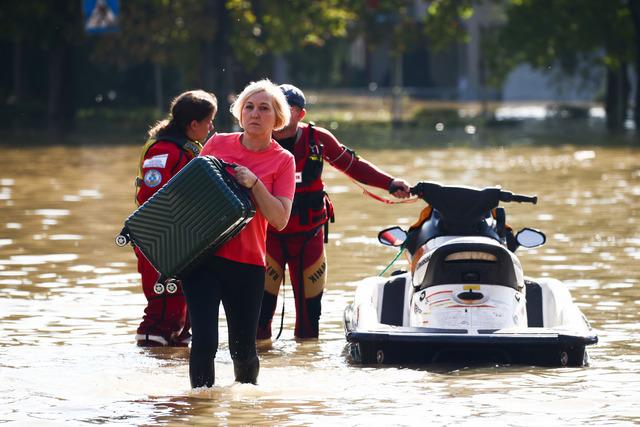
(279, 101)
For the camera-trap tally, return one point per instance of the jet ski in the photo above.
(465, 298)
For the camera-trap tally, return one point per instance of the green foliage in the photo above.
(172, 32)
(431, 117)
(137, 120)
(403, 25)
(41, 22)
(22, 115)
(154, 30)
(190, 37)
(563, 33)
(261, 28)
(444, 20)
(386, 22)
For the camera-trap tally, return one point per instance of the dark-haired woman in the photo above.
(172, 143)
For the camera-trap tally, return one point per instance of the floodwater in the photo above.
(70, 301)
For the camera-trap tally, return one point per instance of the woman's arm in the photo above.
(275, 209)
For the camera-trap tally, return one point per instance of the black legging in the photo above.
(240, 287)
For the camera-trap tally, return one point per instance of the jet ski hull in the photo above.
(424, 346)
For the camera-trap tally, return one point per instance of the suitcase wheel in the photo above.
(122, 240)
(172, 286)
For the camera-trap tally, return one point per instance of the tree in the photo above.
(634, 7)
(212, 42)
(396, 25)
(156, 31)
(574, 36)
(402, 25)
(216, 45)
(53, 29)
(263, 28)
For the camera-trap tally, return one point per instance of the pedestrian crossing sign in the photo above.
(101, 16)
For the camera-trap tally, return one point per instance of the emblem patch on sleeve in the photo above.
(152, 178)
(159, 161)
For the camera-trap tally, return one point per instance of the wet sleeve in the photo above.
(343, 158)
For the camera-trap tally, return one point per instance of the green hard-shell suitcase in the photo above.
(196, 211)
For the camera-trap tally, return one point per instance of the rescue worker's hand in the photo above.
(245, 177)
(400, 188)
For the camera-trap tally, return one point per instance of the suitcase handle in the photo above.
(229, 164)
(226, 175)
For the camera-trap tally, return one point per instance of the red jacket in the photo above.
(160, 162)
(311, 208)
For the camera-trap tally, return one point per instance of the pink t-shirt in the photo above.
(275, 167)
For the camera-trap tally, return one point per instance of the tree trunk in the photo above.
(617, 98)
(625, 92)
(214, 60)
(208, 66)
(218, 71)
(396, 91)
(60, 91)
(636, 102)
(60, 109)
(634, 7)
(157, 80)
(280, 68)
(18, 72)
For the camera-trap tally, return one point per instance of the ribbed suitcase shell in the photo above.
(197, 210)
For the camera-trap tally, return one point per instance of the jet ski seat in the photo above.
(473, 263)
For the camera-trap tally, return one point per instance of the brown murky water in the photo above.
(70, 301)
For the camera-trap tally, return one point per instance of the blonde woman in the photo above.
(234, 275)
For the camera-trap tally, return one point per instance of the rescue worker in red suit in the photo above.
(300, 245)
(172, 143)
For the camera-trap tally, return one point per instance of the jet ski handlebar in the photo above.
(506, 196)
(435, 193)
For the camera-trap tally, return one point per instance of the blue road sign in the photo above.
(101, 16)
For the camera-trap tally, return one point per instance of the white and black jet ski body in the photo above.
(465, 298)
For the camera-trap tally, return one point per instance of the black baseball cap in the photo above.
(295, 97)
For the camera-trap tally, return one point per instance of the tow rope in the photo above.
(284, 287)
(382, 199)
(392, 262)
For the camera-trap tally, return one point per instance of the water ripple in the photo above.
(70, 302)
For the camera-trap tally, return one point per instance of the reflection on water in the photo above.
(70, 301)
